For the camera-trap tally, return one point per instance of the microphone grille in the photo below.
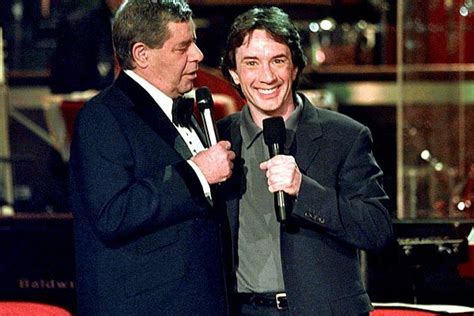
(274, 131)
(204, 98)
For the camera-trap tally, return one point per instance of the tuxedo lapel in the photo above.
(197, 128)
(147, 109)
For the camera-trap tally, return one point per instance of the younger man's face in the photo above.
(265, 72)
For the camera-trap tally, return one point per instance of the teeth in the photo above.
(266, 91)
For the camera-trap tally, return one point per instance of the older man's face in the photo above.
(173, 67)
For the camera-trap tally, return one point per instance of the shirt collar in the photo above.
(292, 122)
(250, 131)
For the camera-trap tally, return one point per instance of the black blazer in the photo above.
(147, 240)
(337, 212)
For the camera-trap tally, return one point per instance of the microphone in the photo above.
(274, 136)
(206, 105)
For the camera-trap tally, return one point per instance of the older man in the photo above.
(147, 236)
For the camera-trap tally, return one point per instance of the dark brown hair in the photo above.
(271, 19)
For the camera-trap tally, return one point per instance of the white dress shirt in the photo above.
(189, 135)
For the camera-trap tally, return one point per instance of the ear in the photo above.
(140, 54)
(235, 77)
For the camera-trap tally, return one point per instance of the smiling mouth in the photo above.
(267, 91)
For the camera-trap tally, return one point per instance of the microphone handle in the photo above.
(209, 127)
(280, 206)
(279, 197)
(274, 149)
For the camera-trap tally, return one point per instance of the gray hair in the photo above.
(145, 21)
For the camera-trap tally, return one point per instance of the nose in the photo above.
(267, 75)
(195, 53)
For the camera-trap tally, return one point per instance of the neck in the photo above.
(259, 116)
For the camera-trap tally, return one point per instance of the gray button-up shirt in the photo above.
(259, 269)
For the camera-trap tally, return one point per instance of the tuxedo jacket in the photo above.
(338, 211)
(147, 239)
(84, 55)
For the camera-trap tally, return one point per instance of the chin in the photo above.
(272, 108)
(186, 88)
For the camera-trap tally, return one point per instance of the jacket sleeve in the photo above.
(120, 199)
(352, 210)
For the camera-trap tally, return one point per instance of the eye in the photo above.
(279, 60)
(182, 49)
(250, 63)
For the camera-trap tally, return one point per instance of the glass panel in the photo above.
(435, 80)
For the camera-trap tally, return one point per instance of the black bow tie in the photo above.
(182, 111)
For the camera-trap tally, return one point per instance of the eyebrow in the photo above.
(273, 57)
(280, 56)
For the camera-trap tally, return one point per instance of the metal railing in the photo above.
(6, 177)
